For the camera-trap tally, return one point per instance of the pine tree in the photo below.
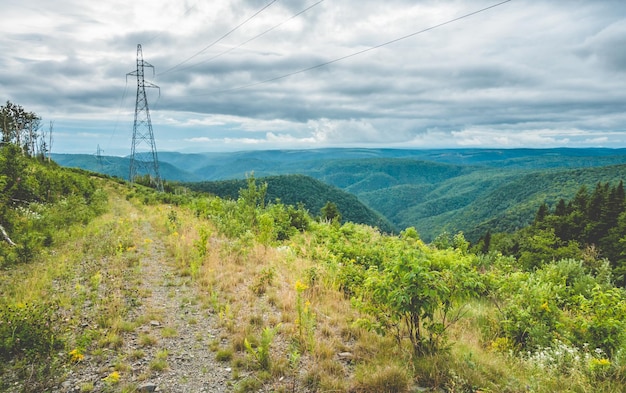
(543, 211)
(561, 208)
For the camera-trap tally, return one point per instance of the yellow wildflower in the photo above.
(112, 378)
(300, 286)
(76, 356)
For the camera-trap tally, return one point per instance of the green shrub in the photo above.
(562, 300)
(261, 352)
(31, 330)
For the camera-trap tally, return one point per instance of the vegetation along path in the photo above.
(128, 290)
(160, 339)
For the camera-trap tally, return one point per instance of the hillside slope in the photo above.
(296, 189)
(119, 166)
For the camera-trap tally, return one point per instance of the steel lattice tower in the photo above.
(143, 156)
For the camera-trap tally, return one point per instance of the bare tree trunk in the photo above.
(6, 236)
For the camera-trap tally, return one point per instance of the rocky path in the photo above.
(168, 347)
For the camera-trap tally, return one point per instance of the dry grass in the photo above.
(238, 287)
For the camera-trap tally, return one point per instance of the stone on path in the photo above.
(147, 388)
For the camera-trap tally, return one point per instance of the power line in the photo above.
(253, 38)
(219, 39)
(119, 111)
(356, 53)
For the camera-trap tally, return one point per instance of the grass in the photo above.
(75, 276)
(226, 280)
(169, 332)
(390, 378)
(224, 355)
(146, 340)
(253, 288)
(159, 365)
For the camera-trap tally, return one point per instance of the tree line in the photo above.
(591, 224)
(22, 128)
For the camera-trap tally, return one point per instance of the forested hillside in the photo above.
(297, 190)
(499, 201)
(592, 222)
(118, 166)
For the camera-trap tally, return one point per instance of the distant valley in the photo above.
(469, 190)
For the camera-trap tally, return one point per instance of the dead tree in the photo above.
(6, 236)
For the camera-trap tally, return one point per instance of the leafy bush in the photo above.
(30, 330)
(405, 287)
(563, 300)
(601, 320)
(37, 198)
(419, 290)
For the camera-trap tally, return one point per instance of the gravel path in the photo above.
(169, 349)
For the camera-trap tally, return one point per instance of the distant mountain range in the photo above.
(468, 190)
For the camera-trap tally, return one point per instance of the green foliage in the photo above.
(420, 288)
(250, 214)
(330, 212)
(593, 222)
(404, 286)
(29, 330)
(562, 301)
(301, 193)
(19, 128)
(465, 190)
(542, 246)
(601, 320)
(36, 199)
(261, 353)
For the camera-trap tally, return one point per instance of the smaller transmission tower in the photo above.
(143, 155)
(99, 152)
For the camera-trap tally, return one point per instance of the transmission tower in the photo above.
(99, 159)
(143, 155)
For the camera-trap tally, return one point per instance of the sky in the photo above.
(298, 74)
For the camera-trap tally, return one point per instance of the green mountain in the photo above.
(296, 189)
(119, 166)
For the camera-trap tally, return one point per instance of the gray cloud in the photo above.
(526, 73)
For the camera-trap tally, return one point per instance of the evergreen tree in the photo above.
(561, 208)
(615, 204)
(595, 226)
(580, 203)
(330, 212)
(542, 213)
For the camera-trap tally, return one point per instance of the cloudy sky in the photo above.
(262, 74)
